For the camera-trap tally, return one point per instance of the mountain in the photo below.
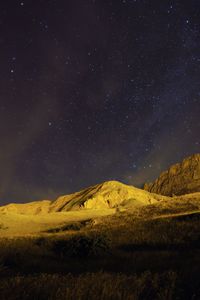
(110, 194)
(110, 203)
(181, 178)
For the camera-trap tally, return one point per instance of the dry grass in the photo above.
(101, 286)
(13, 224)
(145, 253)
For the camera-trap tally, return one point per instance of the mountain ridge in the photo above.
(181, 178)
(107, 195)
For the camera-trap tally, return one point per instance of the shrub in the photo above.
(81, 246)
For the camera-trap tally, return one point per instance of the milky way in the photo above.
(95, 90)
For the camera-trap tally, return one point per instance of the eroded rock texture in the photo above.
(182, 178)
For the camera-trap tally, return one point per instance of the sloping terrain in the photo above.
(110, 201)
(56, 249)
(186, 205)
(91, 203)
(155, 248)
(110, 194)
(15, 224)
(182, 178)
(32, 208)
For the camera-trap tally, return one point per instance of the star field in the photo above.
(95, 90)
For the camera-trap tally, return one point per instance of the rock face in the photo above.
(182, 178)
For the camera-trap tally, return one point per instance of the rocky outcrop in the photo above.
(182, 178)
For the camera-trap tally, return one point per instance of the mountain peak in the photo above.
(109, 194)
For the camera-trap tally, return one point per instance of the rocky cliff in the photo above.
(182, 178)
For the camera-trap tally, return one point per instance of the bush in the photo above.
(81, 246)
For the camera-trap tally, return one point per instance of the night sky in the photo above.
(95, 90)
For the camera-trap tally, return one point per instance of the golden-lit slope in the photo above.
(92, 203)
(15, 224)
(32, 208)
(180, 207)
(110, 194)
(97, 205)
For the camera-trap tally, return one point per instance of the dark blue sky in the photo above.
(95, 90)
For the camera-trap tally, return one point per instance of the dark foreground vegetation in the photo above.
(129, 259)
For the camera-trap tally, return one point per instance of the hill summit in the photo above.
(181, 178)
(109, 194)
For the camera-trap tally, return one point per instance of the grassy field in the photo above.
(13, 224)
(150, 252)
(147, 253)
